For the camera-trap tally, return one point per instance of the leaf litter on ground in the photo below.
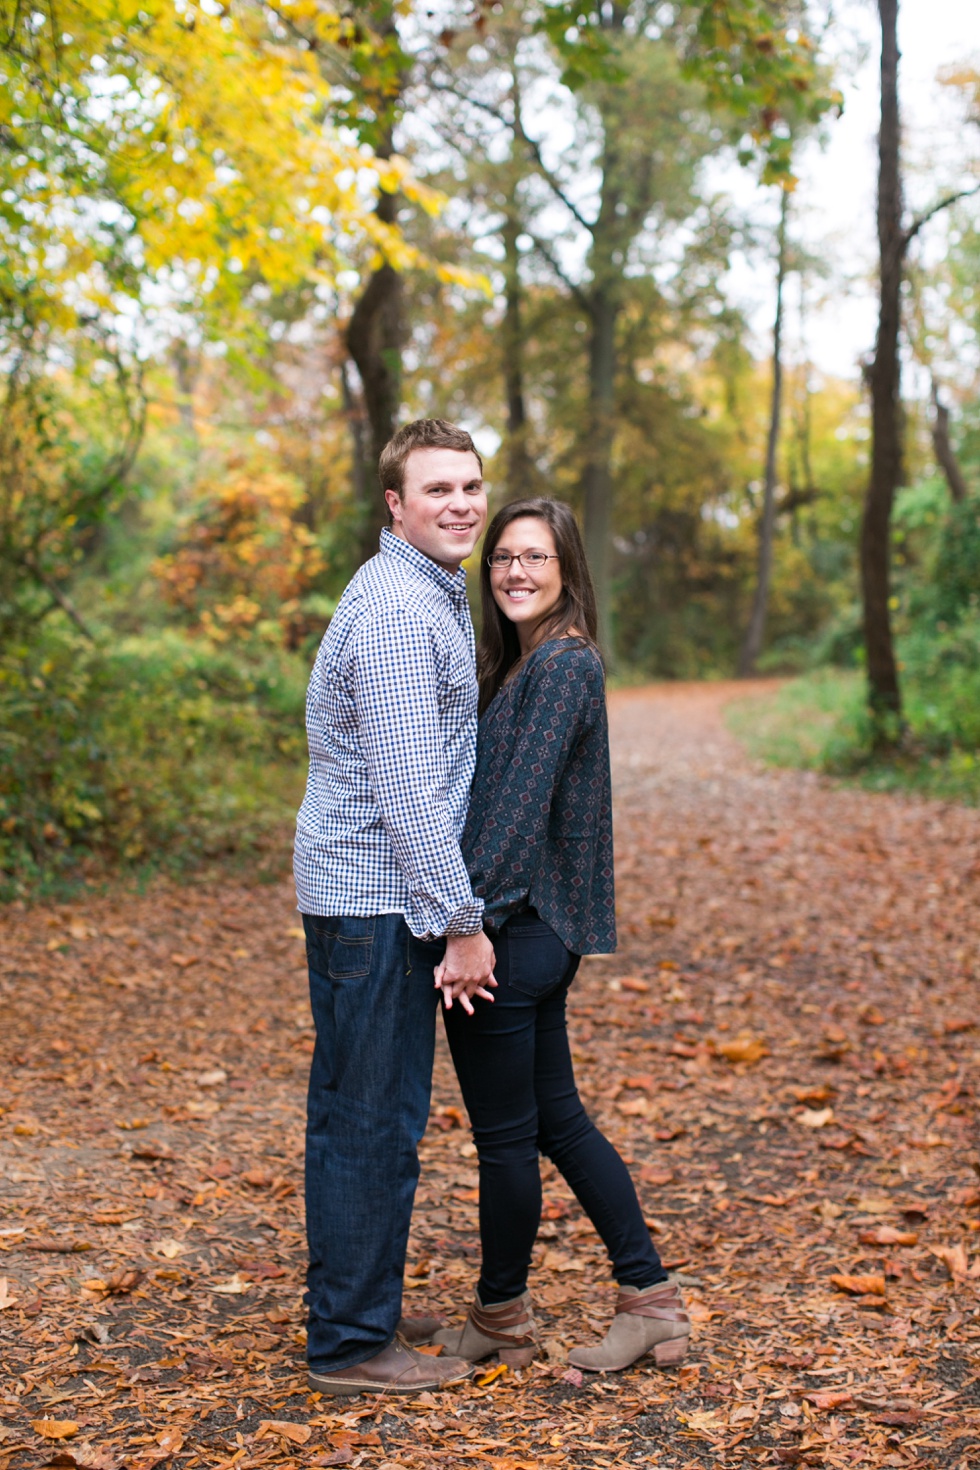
(790, 952)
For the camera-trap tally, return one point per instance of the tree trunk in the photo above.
(519, 471)
(375, 334)
(755, 632)
(884, 377)
(945, 455)
(597, 480)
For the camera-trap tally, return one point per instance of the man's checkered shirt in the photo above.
(391, 721)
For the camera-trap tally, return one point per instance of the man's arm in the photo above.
(396, 697)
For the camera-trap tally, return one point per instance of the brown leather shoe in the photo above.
(417, 1330)
(396, 1369)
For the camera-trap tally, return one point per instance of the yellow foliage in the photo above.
(243, 560)
(207, 158)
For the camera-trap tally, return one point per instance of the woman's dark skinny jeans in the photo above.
(515, 1071)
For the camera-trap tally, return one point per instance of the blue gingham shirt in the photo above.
(391, 716)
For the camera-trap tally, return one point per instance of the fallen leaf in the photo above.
(151, 1150)
(829, 1398)
(875, 1205)
(870, 1285)
(234, 1286)
(258, 1179)
(657, 1177)
(84, 1456)
(813, 1094)
(631, 982)
(170, 1249)
(213, 1078)
(743, 1048)
(286, 1429)
(54, 1428)
(553, 1260)
(491, 1375)
(704, 1419)
(812, 1118)
(888, 1235)
(6, 1300)
(954, 1258)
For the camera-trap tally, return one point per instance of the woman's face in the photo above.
(526, 595)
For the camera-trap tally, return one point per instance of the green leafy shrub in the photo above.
(155, 751)
(957, 576)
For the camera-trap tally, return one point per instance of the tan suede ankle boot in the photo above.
(649, 1321)
(506, 1328)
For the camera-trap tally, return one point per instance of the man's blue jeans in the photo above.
(373, 996)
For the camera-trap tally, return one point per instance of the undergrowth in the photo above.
(151, 753)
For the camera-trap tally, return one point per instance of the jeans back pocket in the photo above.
(537, 960)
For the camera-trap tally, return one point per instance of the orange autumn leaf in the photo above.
(748, 1049)
(871, 1285)
(286, 1429)
(54, 1428)
(888, 1235)
(954, 1258)
(831, 1398)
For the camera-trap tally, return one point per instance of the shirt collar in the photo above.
(454, 583)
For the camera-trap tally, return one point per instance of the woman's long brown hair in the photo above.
(498, 653)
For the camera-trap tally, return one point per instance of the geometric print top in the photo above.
(539, 829)
(391, 719)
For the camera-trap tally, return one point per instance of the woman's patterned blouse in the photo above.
(539, 829)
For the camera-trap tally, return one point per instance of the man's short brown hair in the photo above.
(420, 434)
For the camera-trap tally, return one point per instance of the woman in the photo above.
(538, 844)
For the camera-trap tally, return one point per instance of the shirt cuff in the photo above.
(425, 924)
(467, 919)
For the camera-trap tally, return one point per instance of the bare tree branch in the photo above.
(61, 598)
(533, 148)
(909, 234)
(545, 249)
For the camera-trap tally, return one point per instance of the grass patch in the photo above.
(819, 723)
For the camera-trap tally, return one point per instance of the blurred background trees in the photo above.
(239, 242)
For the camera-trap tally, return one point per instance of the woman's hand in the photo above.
(466, 970)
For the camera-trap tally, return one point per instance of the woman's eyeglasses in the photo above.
(499, 561)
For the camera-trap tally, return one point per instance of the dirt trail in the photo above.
(785, 1047)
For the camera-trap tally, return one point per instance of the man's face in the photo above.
(443, 508)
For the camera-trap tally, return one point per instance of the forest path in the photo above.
(784, 1047)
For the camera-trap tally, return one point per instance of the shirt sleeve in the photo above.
(557, 705)
(396, 695)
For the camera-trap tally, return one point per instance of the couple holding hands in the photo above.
(455, 841)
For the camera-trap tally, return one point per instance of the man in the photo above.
(386, 901)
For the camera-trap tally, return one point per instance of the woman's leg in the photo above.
(494, 1054)
(586, 1158)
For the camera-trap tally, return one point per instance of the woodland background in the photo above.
(239, 242)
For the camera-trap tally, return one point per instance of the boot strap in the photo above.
(663, 1306)
(491, 1323)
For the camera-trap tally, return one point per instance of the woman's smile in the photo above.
(527, 595)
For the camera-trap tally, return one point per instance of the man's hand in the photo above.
(467, 970)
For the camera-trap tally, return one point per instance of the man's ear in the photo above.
(394, 503)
